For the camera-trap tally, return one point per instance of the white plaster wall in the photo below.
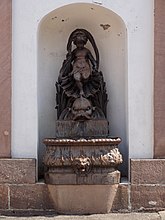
(138, 18)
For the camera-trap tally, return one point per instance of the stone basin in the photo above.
(82, 161)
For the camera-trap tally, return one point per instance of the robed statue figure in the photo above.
(81, 93)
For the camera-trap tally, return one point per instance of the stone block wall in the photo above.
(147, 184)
(20, 192)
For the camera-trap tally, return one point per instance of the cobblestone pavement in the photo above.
(112, 216)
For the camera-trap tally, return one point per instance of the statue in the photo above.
(82, 148)
(81, 93)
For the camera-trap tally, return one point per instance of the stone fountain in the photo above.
(82, 160)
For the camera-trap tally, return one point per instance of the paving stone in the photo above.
(128, 216)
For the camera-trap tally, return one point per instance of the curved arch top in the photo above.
(75, 5)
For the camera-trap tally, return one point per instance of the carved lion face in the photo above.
(81, 165)
(81, 109)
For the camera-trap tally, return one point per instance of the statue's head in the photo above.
(81, 109)
(80, 36)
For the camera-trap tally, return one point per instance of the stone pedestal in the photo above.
(82, 174)
(83, 199)
(82, 129)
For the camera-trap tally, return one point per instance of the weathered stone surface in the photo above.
(83, 199)
(3, 197)
(121, 199)
(5, 77)
(30, 196)
(17, 171)
(159, 79)
(100, 178)
(90, 179)
(77, 129)
(145, 197)
(148, 171)
(60, 178)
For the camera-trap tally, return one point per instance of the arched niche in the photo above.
(109, 32)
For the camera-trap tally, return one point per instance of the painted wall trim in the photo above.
(5, 77)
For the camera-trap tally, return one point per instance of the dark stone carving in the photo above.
(81, 93)
(82, 152)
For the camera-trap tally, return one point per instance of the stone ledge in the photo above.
(148, 171)
(17, 171)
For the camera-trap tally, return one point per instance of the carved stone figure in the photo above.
(79, 82)
(82, 151)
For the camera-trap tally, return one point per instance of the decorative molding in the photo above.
(82, 141)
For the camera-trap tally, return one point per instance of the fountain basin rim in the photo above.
(82, 141)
